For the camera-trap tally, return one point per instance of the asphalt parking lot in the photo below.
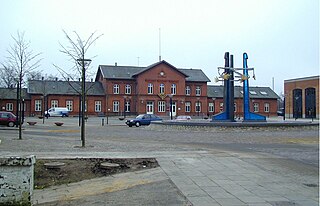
(292, 152)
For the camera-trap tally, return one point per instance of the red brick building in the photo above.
(129, 90)
(302, 97)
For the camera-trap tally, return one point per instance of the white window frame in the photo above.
(198, 91)
(188, 90)
(37, 105)
(173, 89)
(266, 107)
(150, 88)
(115, 106)
(255, 107)
(162, 88)
(221, 106)
(54, 103)
(128, 89)
(9, 107)
(69, 105)
(97, 106)
(211, 107)
(198, 106)
(116, 89)
(127, 106)
(161, 106)
(188, 106)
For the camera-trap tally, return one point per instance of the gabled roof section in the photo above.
(63, 87)
(156, 64)
(130, 72)
(214, 91)
(195, 75)
(11, 93)
(119, 72)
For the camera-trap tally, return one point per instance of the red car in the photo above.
(7, 118)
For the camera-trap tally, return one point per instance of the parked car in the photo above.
(57, 112)
(280, 112)
(143, 119)
(183, 118)
(7, 118)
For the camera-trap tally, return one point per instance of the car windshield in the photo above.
(139, 116)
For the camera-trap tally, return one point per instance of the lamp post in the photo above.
(17, 106)
(170, 96)
(82, 62)
(125, 105)
(198, 106)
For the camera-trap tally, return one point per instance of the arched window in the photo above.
(173, 89)
(310, 102)
(188, 90)
(150, 88)
(116, 89)
(128, 89)
(161, 89)
(297, 103)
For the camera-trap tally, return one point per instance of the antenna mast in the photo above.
(159, 44)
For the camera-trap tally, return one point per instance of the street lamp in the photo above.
(170, 96)
(198, 106)
(83, 62)
(125, 105)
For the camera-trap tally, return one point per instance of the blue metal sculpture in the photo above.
(247, 115)
(228, 91)
(228, 98)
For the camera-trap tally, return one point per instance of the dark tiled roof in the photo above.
(195, 75)
(129, 72)
(11, 93)
(63, 87)
(255, 92)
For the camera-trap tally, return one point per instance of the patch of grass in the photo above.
(80, 169)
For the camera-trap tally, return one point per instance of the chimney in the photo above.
(56, 78)
(115, 64)
(91, 80)
(68, 79)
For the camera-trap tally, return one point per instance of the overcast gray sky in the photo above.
(281, 37)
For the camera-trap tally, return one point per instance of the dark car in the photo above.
(7, 118)
(280, 112)
(143, 119)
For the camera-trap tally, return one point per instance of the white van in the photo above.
(57, 112)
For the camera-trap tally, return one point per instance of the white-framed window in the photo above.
(266, 107)
(235, 107)
(198, 91)
(150, 88)
(127, 106)
(69, 105)
(198, 106)
(37, 105)
(188, 90)
(54, 103)
(128, 89)
(116, 89)
(9, 107)
(173, 89)
(211, 107)
(221, 106)
(116, 106)
(150, 107)
(97, 106)
(161, 106)
(161, 88)
(188, 106)
(255, 107)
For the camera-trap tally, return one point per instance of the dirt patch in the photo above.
(79, 169)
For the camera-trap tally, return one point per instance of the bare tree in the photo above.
(76, 50)
(7, 77)
(21, 61)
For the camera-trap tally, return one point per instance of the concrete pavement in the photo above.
(193, 170)
(204, 178)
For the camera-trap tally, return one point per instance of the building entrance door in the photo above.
(150, 107)
(174, 109)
